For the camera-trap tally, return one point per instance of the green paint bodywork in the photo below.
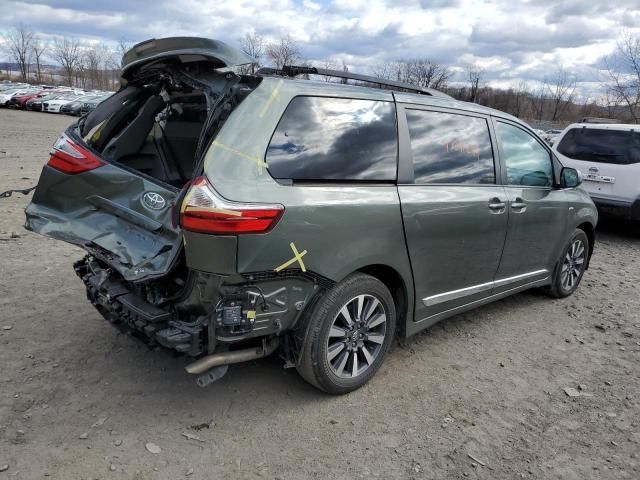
(436, 238)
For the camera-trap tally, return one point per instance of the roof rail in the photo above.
(293, 71)
(598, 120)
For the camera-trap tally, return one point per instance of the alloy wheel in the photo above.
(356, 336)
(572, 265)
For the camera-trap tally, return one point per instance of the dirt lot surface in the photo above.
(480, 395)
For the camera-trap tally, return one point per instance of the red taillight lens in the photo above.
(203, 211)
(71, 158)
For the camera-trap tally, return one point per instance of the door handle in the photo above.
(518, 205)
(496, 205)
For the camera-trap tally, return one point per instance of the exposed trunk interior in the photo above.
(156, 125)
(156, 132)
(114, 178)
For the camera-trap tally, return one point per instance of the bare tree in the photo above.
(94, 59)
(66, 51)
(39, 48)
(475, 74)
(19, 43)
(283, 52)
(386, 70)
(113, 57)
(519, 96)
(422, 72)
(123, 47)
(562, 89)
(327, 64)
(538, 100)
(111, 62)
(425, 72)
(624, 72)
(610, 103)
(253, 45)
(345, 69)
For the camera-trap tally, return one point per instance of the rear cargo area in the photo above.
(115, 179)
(153, 131)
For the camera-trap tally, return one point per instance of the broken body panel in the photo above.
(183, 290)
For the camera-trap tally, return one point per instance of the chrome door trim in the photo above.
(464, 292)
(506, 281)
(455, 294)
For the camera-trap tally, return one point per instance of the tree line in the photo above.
(87, 66)
(553, 100)
(96, 66)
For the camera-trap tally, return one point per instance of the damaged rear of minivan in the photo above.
(116, 184)
(228, 216)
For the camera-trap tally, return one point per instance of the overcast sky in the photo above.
(514, 40)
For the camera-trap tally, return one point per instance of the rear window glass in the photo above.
(321, 138)
(602, 146)
(450, 148)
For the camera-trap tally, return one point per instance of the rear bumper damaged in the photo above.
(218, 319)
(131, 314)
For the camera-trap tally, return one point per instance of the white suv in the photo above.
(608, 155)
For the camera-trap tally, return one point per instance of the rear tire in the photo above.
(348, 335)
(571, 265)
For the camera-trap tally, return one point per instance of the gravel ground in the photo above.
(480, 395)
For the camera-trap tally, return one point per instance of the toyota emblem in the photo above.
(154, 201)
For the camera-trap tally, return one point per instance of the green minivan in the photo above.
(229, 216)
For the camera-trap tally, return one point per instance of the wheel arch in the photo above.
(392, 279)
(590, 231)
(400, 292)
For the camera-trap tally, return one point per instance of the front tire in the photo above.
(571, 266)
(348, 335)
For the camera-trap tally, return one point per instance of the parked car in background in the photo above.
(324, 223)
(608, 155)
(20, 101)
(7, 95)
(54, 105)
(551, 135)
(31, 97)
(12, 86)
(91, 104)
(35, 104)
(74, 107)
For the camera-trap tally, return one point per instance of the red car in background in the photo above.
(21, 100)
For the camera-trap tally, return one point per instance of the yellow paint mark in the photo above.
(274, 96)
(297, 257)
(251, 315)
(261, 164)
(257, 160)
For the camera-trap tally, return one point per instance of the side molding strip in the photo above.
(464, 292)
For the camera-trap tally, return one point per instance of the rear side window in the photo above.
(321, 138)
(450, 148)
(602, 146)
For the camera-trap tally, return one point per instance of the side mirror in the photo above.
(570, 177)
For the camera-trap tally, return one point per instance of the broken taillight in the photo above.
(203, 211)
(69, 157)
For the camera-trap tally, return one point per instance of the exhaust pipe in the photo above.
(237, 356)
